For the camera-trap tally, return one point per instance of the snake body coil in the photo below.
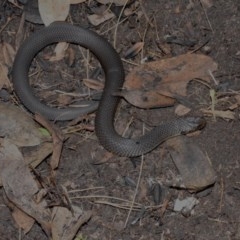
(114, 74)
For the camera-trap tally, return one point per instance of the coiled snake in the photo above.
(114, 78)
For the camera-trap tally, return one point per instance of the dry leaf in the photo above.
(206, 3)
(7, 54)
(18, 127)
(182, 110)
(96, 19)
(34, 156)
(134, 50)
(53, 10)
(59, 52)
(65, 223)
(146, 100)
(4, 80)
(21, 187)
(93, 84)
(64, 100)
(70, 56)
(168, 77)
(23, 220)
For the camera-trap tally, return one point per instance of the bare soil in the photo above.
(168, 28)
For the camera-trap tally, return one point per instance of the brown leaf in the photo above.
(96, 19)
(8, 54)
(206, 3)
(134, 50)
(21, 187)
(93, 84)
(4, 80)
(59, 52)
(53, 10)
(70, 56)
(18, 127)
(182, 110)
(168, 77)
(150, 99)
(65, 223)
(23, 220)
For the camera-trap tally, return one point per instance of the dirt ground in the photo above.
(168, 28)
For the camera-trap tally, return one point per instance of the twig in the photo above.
(136, 191)
(104, 196)
(213, 78)
(210, 25)
(127, 127)
(221, 198)
(85, 189)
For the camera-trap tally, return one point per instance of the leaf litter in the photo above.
(161, 83)
(23, 197)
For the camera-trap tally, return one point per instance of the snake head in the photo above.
(193, 124)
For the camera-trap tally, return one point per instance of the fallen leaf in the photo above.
(4, 80)
(168, 77)
(206, 3)
(35, 155)
(59, 52)
(70, 56)
(96, 19)
(143, 99)
(53, 10)
(182, 110)
(134, 50)
(21, 187)
(23, 220)
(65, 224)
(18, 127)
(64, 100)
(7, 54)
